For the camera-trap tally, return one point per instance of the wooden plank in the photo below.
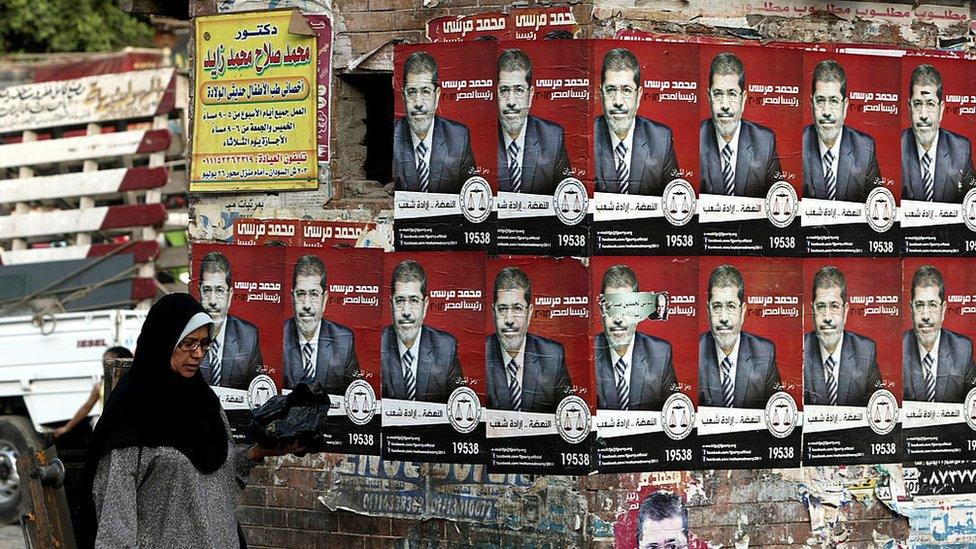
(143, 251)
(90, 147)
(67, 185)
(100, 98)
(36, 224)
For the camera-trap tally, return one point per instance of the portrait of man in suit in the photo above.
(738, 157)
(840, 368)
(936, 164)
(736, 369)
(316, 350)
(633, 155)
(430, 153)
(234, 358)
(937, 364)
(839, 162)
(419, 362)
(525, 372)
(662, 522)
(634, 370)
(532, 155)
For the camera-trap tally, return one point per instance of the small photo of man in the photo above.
(662, 522)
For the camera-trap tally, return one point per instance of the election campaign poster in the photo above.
(241, 289)
(851, 170)
(852, 383)
(330, 339)
(531, 23)
(255, 106)
(645, 152)
(432, 354)
(644, 330)
(543, 156)
(537, 366)
(749, 150)
(939, 376)
(444, 135)
(305, 233)
(938, 121)
(749, 362)
(655, 513)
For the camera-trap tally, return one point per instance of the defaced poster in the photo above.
(750, 374)
(645, 152)
(644, 330)
(444, 146)
(749, 150)
(432, 353)
(537, 366)
(852, 382)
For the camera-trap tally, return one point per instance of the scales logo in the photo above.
(463, 410)
(476, 199)
(678, 416)
(781, 414)
(969, 209)
(678, 202)
(260, 390)
(882, 412)
(573, 421)
(781, 204)
(360, 401)
(880, 209)
(570, 201)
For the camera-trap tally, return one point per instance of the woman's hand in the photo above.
(257, 452)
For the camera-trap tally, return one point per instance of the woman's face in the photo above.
(189, 352)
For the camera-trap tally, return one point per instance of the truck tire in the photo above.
(17, 438)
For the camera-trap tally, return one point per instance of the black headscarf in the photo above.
(154, 406)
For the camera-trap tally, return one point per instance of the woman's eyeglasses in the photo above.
(190, 345)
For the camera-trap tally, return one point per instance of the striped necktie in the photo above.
(929, 378)
(215, 363)
(408, 377)
(513, 386)
(623, 384)
(927, 177)
(423, 173)
(831, 380)
(728, 384)
(309, 367)
(727, 173)
(514, 168)
(829, 176)
(623, 172)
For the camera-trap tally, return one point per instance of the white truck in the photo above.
(48, 365)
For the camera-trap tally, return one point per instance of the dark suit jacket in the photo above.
(438, 369)
(857, 166)
(756, 167)
(451, 159)
(652, 378)
(953, 168)
(857, 378)
(544, 160)
(652, 161)
(956, 373)
(336, 366)
(756, 374)
(545, 380)
(240, 358)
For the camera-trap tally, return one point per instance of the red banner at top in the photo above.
(524, 24)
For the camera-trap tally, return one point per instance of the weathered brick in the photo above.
(351, 523)
(316, 519)
(368, 22)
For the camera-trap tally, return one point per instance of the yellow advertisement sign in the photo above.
(254, 106)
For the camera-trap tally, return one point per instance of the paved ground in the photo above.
(11, 537)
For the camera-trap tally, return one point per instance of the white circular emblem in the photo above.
(781, 204)
(969, 409)
(879, 209)
(882, 412)
(259, 391)
(573, 419)
(360, 401)
(781, 414)
(463, 410)
(476, 199)
(678, 202)
(969, 209)
(570, 201)
(678, 416)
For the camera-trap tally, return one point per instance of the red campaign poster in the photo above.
(261, 232)
(543, 147)
(538, 366)
(432, 354)
(330, 339)
(750, 350)
(542, 23)
(749, 150)
(241, 288)
(851, 160)
(938, 373)
(938, 211)
(444, 146)
(644, 334)
(656, 514)
(851, 361)
(645, 147)
(324, 234)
